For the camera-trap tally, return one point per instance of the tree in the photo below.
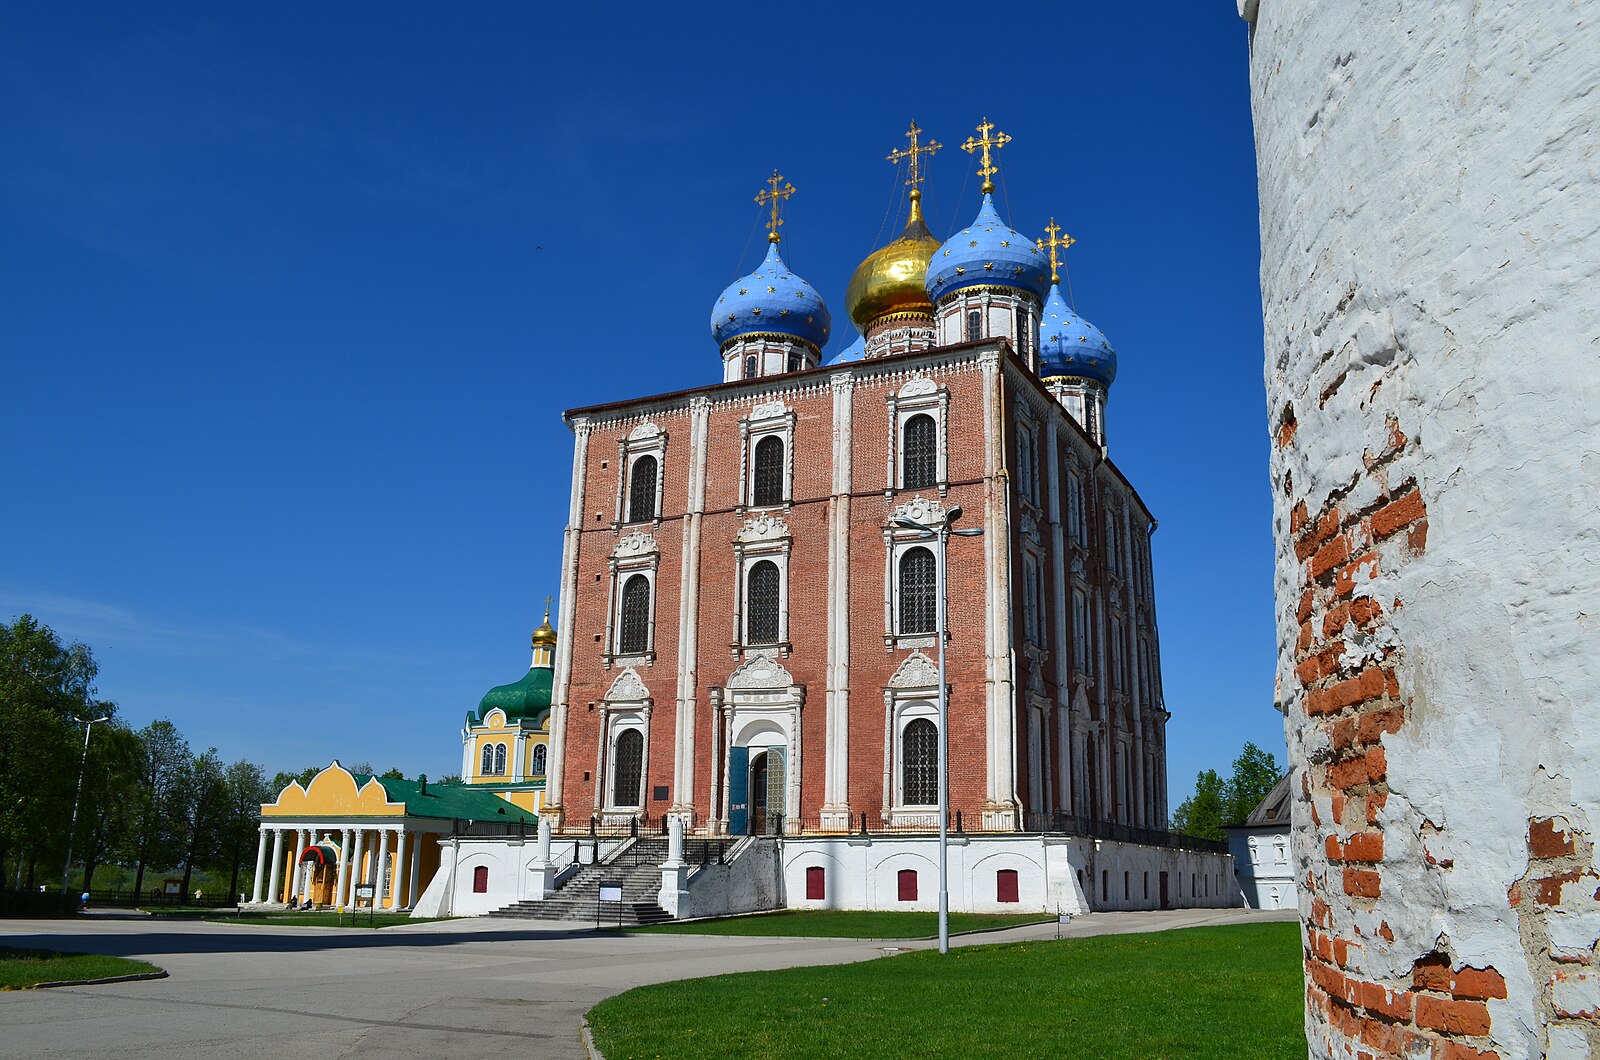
(282, 779)
(110, 802)
(199, 811)
(163, 758)
(1200, 815)
(1255, 772)
(244, 789)
(45, 688)
(392, 774)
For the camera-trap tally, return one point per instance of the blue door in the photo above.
(738, 790)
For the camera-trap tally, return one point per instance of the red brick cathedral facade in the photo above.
(748, 633)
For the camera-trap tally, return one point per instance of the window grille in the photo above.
(767, 488)
(499, 759)
(761, 608)
(919, 453)
(920, 781)
(642, 490)
(635, 633)
(750, 367)
(918, 593)
(974, 325)
(630, 759)
(541, 755)
(1022, 331)
(486, 767)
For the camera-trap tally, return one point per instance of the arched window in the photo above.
(918, 605)
(767, 485)
(635, 634)
(540, 756)
(920, 772)
(919, 453)
(642, 490)
(486, 767)
(1022, 331)
(750, 367)
(795, 363)
(974, 325)
(761, 603)
(630, 759)
(499, 759)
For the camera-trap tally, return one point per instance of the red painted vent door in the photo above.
(1005, 885)
(814, 883)
(908, 885)
(480, 880)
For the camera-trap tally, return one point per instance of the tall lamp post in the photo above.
(72, 830)
(941, 535)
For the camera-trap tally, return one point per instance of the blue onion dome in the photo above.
(1070, 345)
(774, 301)
(856, 351)
(990, 253)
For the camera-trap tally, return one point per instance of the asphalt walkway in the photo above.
(458, 988)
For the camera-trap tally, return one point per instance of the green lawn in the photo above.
(1202, 992)
(20, 969)
(325, 918)
(841, 924)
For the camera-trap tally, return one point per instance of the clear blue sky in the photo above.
(295, 295)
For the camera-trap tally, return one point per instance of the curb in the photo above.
(588, 1043)
(134, 978)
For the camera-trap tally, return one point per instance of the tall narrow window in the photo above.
(1111, 544)
(499, 759)
(541, 755)
(918, 593)
(1091, 416)
(761, 603)
(630, 759)
(1022, 331)
(920, 774)
(486, 767)
(634, 638)
(767, 485)
(1075, 508)
(974, 325)
(1080, 631)
(919, 453)
(642, 490)
(750, 367)
(795, 363)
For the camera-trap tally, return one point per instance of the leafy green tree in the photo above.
(110, 796)
(1254, 774)
(163, 761)
(1200, 815)
(199, 806)
(393, 774)
(244, 789)
(45, 688)
(281, 779)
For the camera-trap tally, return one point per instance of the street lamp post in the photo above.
(72, 830)
(941, 535)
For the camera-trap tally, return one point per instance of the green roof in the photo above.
(449, 801)
(522, 700)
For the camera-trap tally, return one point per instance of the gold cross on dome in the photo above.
(914, 152)
(779, 192)
(547, 608)
(1055, 242)
(986, 143)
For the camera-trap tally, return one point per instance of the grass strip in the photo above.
(1199, 992)
(21, 969)
(844, 924)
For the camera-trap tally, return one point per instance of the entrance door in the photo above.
(1164, 903)
(758, 793)
(738, 790)
(767, 792)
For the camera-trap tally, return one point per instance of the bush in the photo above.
(36, 905)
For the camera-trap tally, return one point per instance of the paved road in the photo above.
(458, 989)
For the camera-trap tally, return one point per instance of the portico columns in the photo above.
(277, 862)
(400, 871)
(416, 868)
(344, 868)
(261, 867)
(383, 867)
(356, 873)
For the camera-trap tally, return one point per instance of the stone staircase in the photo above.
(637, 868)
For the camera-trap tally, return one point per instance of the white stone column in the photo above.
(689, 617)
(357, 870)
(416, 869)
(836, 732)
(402, 897)
(344, 868)
(562, 678)
(261, 868)
(277, 864)
(383, 867)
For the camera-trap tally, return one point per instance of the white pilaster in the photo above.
(383, 867)
(562, 679)
(358, 870)
(1000, 810)
(836, 746)
(261, 867)
(344, 869)
(402, 897)
(277, 863)
(689, 616)
(416, 870)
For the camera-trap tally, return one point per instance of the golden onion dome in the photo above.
(544, 636)
(893, 278)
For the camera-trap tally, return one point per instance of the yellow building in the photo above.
(323, 843)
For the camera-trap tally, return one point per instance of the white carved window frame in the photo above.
(1082, 626)
(646, 439)
(1033, 593)
(897, 541)
(1075, 518)
(913, 693)
(766, 420)
(1028, 457)
(625, 707)
(763, 537)
(636, 553)
(919, 396)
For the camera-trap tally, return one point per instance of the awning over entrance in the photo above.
(320, 855)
